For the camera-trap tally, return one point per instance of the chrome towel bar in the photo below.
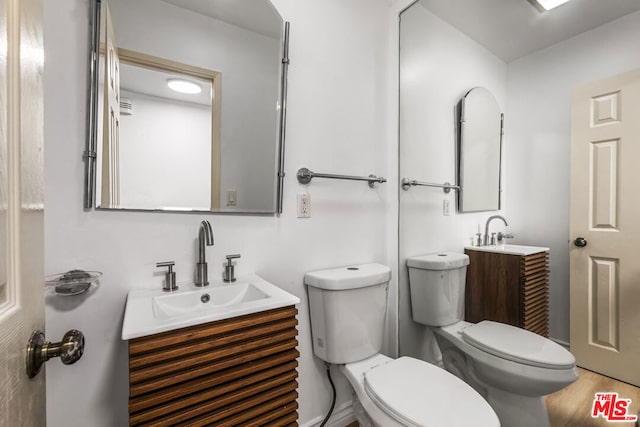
(446, 187)
(305, 176)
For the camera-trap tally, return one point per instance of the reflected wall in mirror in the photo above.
(480, 152)
(167, 149)
(214, 150)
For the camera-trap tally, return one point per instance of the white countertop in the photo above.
(509, 249)
(148, 313)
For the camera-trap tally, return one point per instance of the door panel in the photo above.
(22, 401)
(604, 327)
(111, 137)
(605, 210)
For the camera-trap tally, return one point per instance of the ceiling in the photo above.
(154, 83)
(514, 28)
(254, 15)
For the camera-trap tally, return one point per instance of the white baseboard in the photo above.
(342, 416)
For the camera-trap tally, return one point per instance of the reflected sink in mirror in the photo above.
(150, 312)
(181, 303)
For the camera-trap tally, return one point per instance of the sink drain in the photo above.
(205, 298)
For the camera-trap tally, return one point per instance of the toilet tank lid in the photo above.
(439, 261)
(350, 277)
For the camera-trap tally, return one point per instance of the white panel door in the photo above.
(111, 128)
(605, 214)
(22, 400)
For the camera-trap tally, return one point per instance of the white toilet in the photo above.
(347, 307)
(510, 367)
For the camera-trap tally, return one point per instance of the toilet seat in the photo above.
(518, 345)
(419, 394)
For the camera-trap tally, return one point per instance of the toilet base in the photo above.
(517, 411)
(361, 415)
(513, 410)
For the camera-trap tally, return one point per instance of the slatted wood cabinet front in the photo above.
(512, 289)
(234, 372)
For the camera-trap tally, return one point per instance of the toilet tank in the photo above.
(347, 306)
(436, 285)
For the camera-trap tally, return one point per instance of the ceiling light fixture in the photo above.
(544, 5)
(184, 86)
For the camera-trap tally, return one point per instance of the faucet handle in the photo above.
(230, 257)
(169, 264)
(229, 269)
(502, 236)
(170, 276)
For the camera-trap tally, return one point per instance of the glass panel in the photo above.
(241, 43)
(480, 149)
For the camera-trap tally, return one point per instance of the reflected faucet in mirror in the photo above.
(486, 229)
(205, 236)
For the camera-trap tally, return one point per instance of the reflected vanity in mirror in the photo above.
(479, 154)
(187, 106)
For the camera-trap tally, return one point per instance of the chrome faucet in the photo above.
(205, 236)
(486, 228)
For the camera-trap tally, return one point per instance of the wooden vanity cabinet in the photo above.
(233, 372)
(512, 289)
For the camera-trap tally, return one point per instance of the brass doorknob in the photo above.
(69, 350)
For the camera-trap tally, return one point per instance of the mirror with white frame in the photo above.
(480, 150)
(161, 148)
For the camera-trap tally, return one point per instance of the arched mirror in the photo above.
(480, 152)
(187, 106)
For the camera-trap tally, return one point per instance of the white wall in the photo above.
(438, 66)
(165, 154)
(250, 84)
(538, 131)
(339, 120)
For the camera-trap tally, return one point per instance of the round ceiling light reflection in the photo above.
(184, 86)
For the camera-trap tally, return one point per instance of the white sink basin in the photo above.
(178, 304)
(149, 312)
(509, 249)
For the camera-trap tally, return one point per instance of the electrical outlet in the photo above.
(304, 205)
(445, 207)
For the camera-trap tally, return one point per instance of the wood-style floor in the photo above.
(571, 407)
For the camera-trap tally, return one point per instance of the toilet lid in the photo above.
(518, 345)
(419, 394)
